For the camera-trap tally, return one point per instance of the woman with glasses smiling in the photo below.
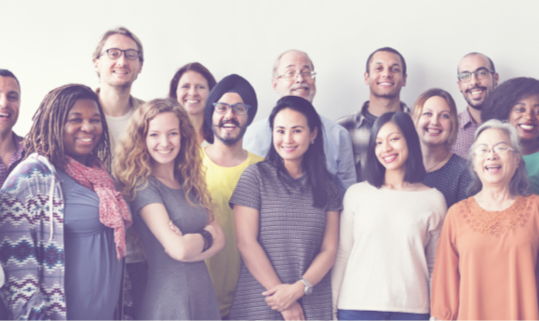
(486, 264)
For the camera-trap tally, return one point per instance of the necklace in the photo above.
(435, 165)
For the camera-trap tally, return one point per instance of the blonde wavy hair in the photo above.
(133, 164)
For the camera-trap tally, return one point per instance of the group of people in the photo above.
(180, 208)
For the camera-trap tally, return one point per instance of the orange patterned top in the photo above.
(486, 263)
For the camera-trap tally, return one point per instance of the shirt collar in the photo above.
(360, 118)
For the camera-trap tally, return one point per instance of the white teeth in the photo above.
(4, 115)
(164, 151)
(390, 158)
(527, 127)
(192, 101)
(86, 140)
(434, 131)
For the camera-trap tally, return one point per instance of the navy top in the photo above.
(93, 274)
(452, 180)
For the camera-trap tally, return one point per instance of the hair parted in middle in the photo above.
(47, 131)
(414, 169)
(314, 159)
(453, 113)
(133, 164)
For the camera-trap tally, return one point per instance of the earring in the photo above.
(312, 142)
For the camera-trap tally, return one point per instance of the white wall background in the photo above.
(49, 43)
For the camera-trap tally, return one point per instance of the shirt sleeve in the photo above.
(446, 278)
(434, 229)
(149, 195)
(247, 192)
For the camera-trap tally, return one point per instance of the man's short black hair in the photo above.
(387, 49)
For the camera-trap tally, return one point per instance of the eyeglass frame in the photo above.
(312, 75)
(122, 52)
(475, 73)
(247, 107)
(492, 149)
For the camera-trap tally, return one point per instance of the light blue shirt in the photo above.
(337, 147)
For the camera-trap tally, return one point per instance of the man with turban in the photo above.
(230, 108)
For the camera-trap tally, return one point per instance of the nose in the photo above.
(299, 77)
(474, 80)
(288, 138)
(87, 126)
(491, 154)
(386, 146)
(122, 59)
(192, 91)
(229, 113)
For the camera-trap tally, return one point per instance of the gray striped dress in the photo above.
(290, 232)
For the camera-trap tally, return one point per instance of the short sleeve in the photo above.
(149, 195)
(334, 199)
(247, 192)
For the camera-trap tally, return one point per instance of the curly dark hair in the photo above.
(500, 102)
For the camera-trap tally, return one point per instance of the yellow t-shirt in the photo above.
(224, 267)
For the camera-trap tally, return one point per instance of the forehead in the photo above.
(437, 103)
(388, 129)
(85, 105)
(385, 58)
(231, 98)
(493, 136)
(473, 62)
(120, 41)
(294, 59)
(192, 76)
(9, 84)
(290, 117)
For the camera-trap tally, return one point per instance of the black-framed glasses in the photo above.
(292, 74)
(480, 73)
(115, 53)
(238, 109)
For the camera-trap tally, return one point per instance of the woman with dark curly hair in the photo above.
(517, 101)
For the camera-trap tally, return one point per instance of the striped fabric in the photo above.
(32, 258)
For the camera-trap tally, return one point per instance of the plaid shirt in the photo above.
(467, 127)
(359, 129)
(15, 158)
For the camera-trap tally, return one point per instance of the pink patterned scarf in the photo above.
(113, 210)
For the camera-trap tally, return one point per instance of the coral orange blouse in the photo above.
(486, 263)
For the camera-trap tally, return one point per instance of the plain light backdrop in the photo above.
(49, 43)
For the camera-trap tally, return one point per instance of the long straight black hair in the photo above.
(414, 168)
(314, 159)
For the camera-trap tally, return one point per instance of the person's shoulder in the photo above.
(136, 102)
(254, 158)
(348, 121)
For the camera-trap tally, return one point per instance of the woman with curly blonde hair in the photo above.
(158, 167)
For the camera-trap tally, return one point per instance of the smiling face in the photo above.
(164, 138)
(229, 127)
(494, 168)
(298, 86)
(475, 91)
(434, 123)
(292, 135)
(391, 148)
(385, 77)
(82, 130)
(525, 117)
(10, 102)
(192, 92)
(121, 72)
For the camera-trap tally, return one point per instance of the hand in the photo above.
(295, 312)
(282, 296)
(174, 228)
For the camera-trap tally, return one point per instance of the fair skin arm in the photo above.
(180, 247)
(282, 297)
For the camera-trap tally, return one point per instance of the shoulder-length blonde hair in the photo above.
(453, 114)
(132, 162)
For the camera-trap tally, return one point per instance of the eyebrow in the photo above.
(475, 70)
(292, 66)
(80, 114)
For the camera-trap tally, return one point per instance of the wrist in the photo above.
(307, 287)
(208, 239)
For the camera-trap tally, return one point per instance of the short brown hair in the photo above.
(121, 31)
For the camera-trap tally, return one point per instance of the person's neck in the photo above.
(381, 105)
(495, 197)
(198, 122)
(7, 146)
(294, 168)
(226, 155)
(164, 173)
(394, 179)
(476, 114)
(530, 146)
(115, 100)
(434, 157)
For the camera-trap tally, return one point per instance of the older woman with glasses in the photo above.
(486, 263)
(436, 121)
(517, 101)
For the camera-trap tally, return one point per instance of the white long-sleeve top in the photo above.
(387, 247)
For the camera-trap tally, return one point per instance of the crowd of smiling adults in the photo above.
(180, 208)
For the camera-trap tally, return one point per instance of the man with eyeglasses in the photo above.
(476, 80)
(118, 60)
(230, 108)
(385, 74)
(293, 74)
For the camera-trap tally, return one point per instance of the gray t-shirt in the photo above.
(175, 290)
